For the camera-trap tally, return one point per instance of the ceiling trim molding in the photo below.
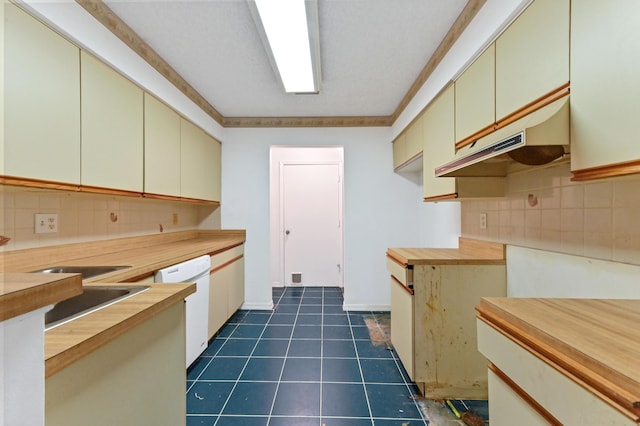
(362, 121)
(120, 29)
(462, 21)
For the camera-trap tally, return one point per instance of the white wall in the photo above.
(382, 209)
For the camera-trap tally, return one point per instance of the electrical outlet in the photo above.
(483, 221)
(46, 223)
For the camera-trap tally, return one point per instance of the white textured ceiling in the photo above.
(371, 52)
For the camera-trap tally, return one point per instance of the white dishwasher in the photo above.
(197, 304)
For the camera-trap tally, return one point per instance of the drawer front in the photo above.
(221, 258)
(506, 405)
(563, 398)
(400, 272)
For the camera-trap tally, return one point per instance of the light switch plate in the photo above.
(46, 223)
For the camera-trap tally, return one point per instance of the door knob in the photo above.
(287, 232)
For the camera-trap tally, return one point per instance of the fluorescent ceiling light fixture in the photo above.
(289, 31)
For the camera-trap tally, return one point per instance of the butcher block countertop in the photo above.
(143, 255)
(469, 252)
(71, 341)
(22, 293)
(595, 342)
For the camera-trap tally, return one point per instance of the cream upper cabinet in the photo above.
(42, 101)
(399, 150)
(199, 163)
(414, 140)
(112, 128)
(532, 55)
(439, 149)
(605, 89)
(439, 138)
(161, 148)
(475, 96)
(407, 147)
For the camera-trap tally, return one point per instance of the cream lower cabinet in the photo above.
(433, 326)
(112, 128)
(42, 101)
(226, 287)
(605, 89)
(136, 379)
(537, 393)
(402, 328)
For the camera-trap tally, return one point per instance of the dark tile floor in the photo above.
(307, 362)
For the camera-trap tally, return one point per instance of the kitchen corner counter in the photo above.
(593, 342)
(69, 342)
(469, 252)
(23, 293)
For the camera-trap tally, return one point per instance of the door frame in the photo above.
(280, 156)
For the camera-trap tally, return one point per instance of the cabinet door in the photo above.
(475, 96)
(42, 101)
(199, 163)
(399, 150)
(414, 141)
(236, 291)
(112, 128)
(605, 89)
(218, 296)
(507, 404)
(161, 148)
(438, 127)
(402, 331)
(532, 55)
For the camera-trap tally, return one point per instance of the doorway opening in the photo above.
(306, 199)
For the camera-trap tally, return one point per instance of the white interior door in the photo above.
(312, 224)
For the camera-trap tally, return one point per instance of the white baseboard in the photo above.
(357, 307)
(258, 306)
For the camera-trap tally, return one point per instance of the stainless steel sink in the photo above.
(92, 299)
(86, 271)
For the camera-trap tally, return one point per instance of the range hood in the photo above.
(537, 138)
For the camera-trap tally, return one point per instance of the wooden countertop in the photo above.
(595, 342)
(144, 255)
(469, 252)
(22, 293)
(69, 342)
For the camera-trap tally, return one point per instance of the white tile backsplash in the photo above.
(596, 218)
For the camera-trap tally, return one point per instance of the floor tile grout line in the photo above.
(286, 355)
(243, 369)
(321, 355)
(364, 386)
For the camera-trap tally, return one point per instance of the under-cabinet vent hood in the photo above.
(537, 138)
